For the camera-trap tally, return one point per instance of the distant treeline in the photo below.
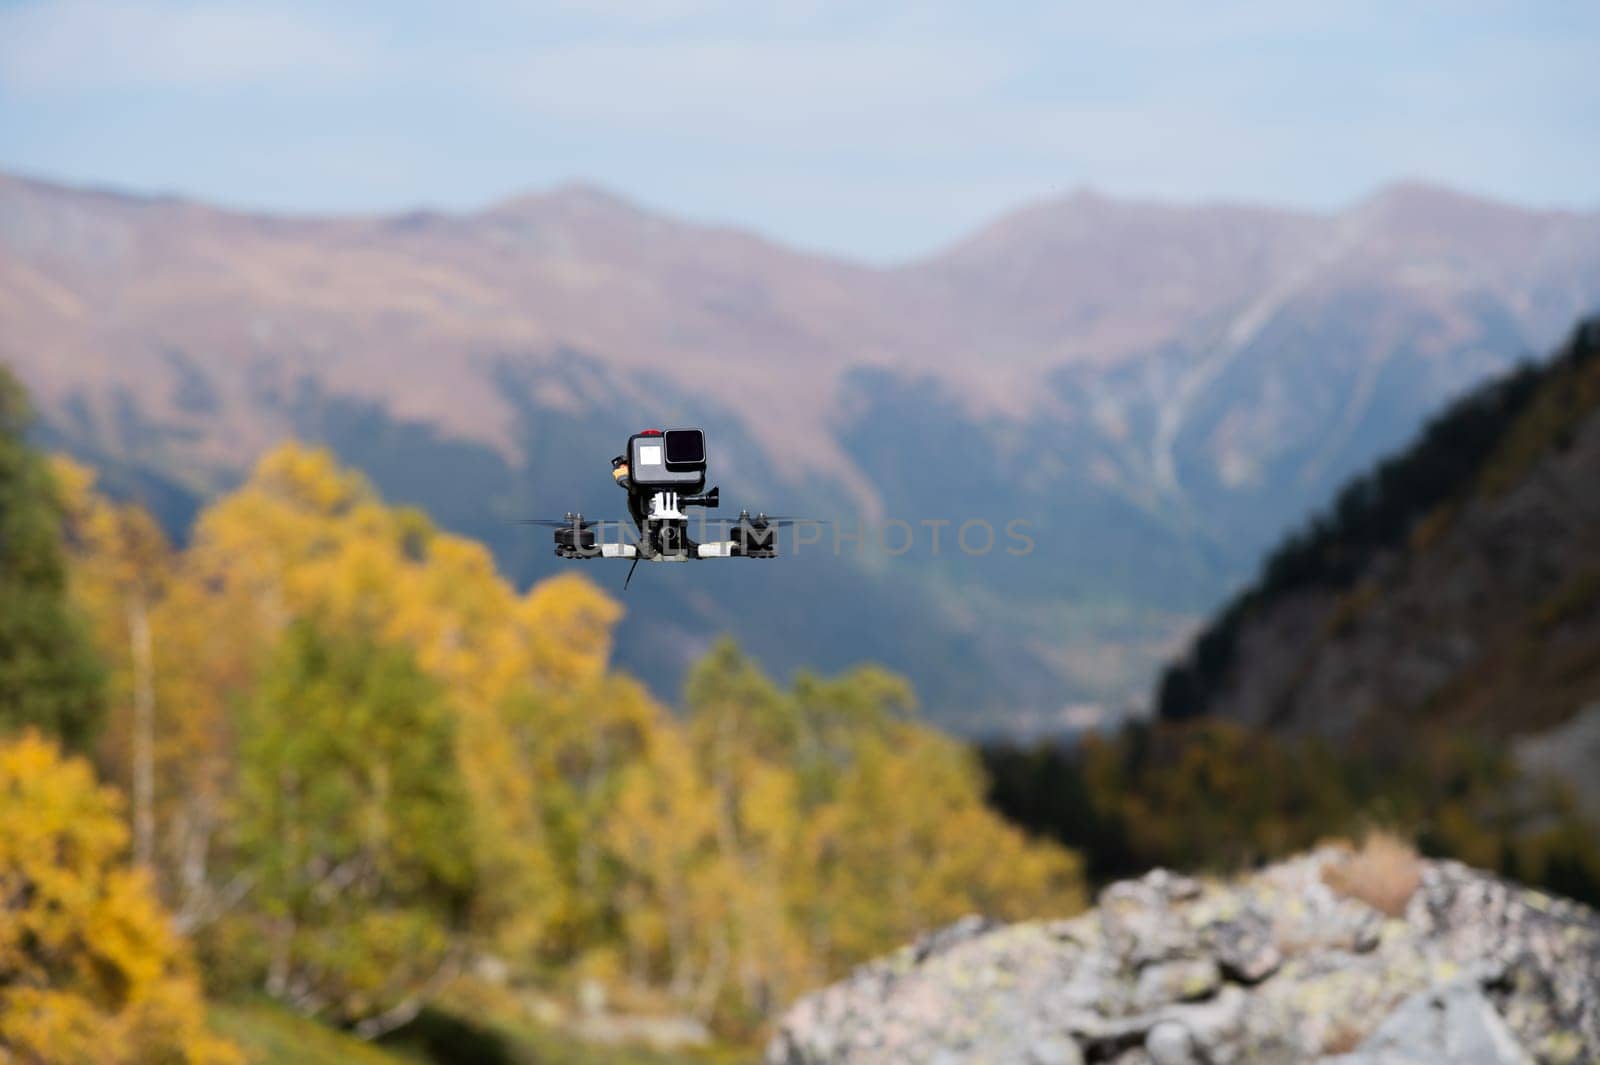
(1211, 795)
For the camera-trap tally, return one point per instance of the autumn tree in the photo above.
(179, 654)
(346, 825)
(49, 674)
(121, 567)
(304, 538)
(672, 888)
(91, 970)
(844, 828)
(373, 758)
(743, 730)
(907, 845)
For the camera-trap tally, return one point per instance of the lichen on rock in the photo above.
(1276, 967)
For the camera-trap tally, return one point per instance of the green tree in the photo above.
(348, 830)
(49, 674)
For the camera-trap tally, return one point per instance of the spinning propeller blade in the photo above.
(767, 521)
(568, 522)
(789, 519)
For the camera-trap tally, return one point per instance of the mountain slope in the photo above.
(1157, 390)
(1456, 587)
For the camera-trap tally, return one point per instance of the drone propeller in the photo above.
(568, 522)
(790, 519)
(762, 523)
(768, 521)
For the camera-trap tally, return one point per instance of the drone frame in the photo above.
(664, 537)
(667, 477)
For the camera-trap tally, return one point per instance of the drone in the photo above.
(664, 473)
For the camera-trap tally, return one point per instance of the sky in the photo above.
(876, 131)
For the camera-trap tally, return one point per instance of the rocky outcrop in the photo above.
(1274, 968)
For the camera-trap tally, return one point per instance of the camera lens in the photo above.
(685, 447)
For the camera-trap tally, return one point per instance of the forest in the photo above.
(1484, 440)
(321, 754)
(1196, 789)
(1211, 795)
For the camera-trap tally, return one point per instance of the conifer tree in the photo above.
(49, 675)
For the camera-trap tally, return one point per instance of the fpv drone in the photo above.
(664, 473)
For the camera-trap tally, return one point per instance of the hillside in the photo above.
(1331, 957)
(1455, 588)
(1158, 390)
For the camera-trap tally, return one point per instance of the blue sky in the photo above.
(878, 131)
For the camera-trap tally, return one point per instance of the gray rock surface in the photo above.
(1569, 753)
(1455, 1022)
(1273, 968)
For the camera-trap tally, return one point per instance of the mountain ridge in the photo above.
(1156, 390)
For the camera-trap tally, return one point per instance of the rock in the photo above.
(1568, 753)
(1243, 947)
(968, 927)
(1275, 968)
(1140, 919)
(1054, 1050)
(1136, 1056)
(1453, 1023)
(1176, 981)
(1169, 1044)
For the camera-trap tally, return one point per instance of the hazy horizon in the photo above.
(877, 134)
(590, 185)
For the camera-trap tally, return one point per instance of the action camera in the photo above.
(674, 460)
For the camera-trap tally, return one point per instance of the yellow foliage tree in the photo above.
(305, 539)
(724, 864)
(661, 830)
(122, 565)
(91, 970)
(908, 845)
(842, 828)
(178, 657)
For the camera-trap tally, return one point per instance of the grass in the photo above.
(1383, 873)
(272, 1035)
(443, 1038)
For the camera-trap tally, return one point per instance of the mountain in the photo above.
(1157, 391)
(1454, 588)
(1335, 957)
